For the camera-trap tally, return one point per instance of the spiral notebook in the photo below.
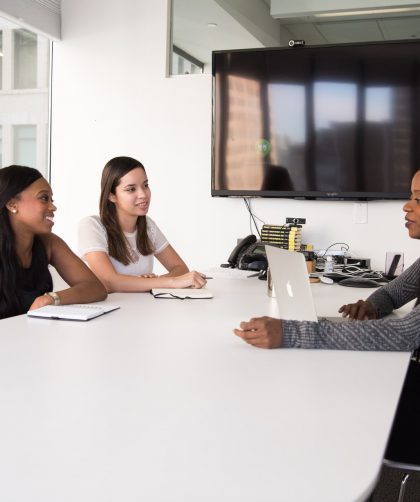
(74, 312)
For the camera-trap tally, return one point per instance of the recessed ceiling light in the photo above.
(211, 25)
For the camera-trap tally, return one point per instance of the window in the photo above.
(24, 97)
(184, 64)
(25, 59)
(25, 145)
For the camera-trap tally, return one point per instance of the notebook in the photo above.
(74, 312)
(182, 294)
(292, 286)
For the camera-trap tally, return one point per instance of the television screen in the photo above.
(340, 122)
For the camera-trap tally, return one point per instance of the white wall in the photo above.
(111, 97)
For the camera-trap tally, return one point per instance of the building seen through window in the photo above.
(24, 97)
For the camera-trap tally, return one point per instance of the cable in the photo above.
(251, 213)
(250, 206)
(346, 247)
(253, 216)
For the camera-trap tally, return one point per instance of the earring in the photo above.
(14, 211)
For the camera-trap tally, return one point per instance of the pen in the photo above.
(205, 277)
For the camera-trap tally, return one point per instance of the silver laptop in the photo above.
(292, 287)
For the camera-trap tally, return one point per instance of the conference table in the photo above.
(160, 402)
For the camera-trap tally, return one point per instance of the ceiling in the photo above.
(252, 23)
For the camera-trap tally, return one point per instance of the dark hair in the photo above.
(118, 247)
(13, 180)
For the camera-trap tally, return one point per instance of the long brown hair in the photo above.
(118, 246)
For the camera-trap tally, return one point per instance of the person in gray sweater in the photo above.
(371, 329)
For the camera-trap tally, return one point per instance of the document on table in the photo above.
(74, 312)
(182, 294)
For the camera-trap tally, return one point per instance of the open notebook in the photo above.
(181, 294)
(75, 312)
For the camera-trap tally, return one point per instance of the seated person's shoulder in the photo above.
(91, 221)
(152, 228)
(150, 221)
(92, 236)
(50, 242)
(90, 226)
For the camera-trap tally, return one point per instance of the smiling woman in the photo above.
(27, 247)
(120, 244)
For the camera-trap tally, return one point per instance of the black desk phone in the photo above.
(248, 254)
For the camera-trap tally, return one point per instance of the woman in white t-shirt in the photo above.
(120, 244)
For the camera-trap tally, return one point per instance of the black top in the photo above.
(35, 280)
(403, 450)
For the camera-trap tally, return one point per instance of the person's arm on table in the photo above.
(262, 332)
(102, 267)
(84, 286)
(392, 333)
(384, 300)
(93, 247)
(176, 267)
(361, 310)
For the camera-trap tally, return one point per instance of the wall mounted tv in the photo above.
(328, 122)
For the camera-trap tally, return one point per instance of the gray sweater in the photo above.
(385, 333)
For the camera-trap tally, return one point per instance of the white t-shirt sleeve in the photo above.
(92, 236)
(156, 236)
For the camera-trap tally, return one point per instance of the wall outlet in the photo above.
(360, 212)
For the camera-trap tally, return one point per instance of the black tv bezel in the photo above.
(307, 195)
(299, 195)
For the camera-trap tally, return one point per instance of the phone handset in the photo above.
(241, 246)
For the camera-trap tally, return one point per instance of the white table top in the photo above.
(160, 402)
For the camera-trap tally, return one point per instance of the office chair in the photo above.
(403, 448)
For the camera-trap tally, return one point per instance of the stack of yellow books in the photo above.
(283, 236)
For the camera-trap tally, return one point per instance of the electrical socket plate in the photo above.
(360, 212)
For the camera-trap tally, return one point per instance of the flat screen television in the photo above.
(317, 122)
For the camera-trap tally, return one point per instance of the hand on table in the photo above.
(191, 279)
(264, 332)
(41, 301)
(360, 311)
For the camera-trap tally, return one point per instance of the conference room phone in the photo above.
(248, 254)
